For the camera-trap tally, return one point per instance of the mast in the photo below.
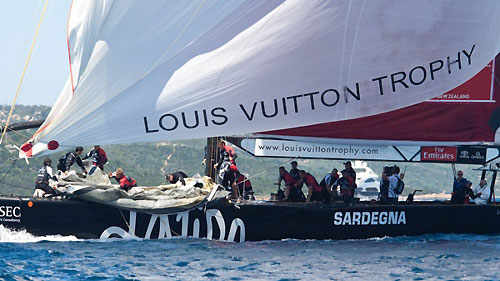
(211, 157)
(492, 185)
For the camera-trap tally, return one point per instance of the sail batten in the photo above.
(191, 69)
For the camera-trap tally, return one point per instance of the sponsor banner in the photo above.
(477, 89)
(471, 155)
(10, 214)
(286, 148)
(438, 154)
(450, 154)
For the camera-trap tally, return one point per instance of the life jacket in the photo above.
(329, 180)
(99, 157)
(243, 183)
(231, 154)
(288, 179)
(352, 174)
(295, 174)
(233, 168)
(62, 160)
(346, 185)
(127, 182)
(43, 175)
(310, 181)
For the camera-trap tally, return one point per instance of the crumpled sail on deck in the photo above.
(187, 69)
(156, 199)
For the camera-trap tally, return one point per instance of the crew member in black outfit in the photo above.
(294, 171)
(68, 159)
(383, 196)
(175, 177)
(226, 159)
(350, 170)
(42, 179)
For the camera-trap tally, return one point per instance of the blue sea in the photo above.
(429, 257)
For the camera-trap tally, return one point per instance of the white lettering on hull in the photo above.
(369, 218)
(213, 217)
(10, 214)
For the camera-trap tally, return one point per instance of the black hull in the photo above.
(257, 221)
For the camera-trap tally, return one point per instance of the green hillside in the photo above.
(147, 162)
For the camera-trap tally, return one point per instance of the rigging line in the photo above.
(17, 186)
(17, 132)
(125, 220)
(25, 68)
(8, 171)
(281, 164)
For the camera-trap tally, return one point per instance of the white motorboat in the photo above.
(367, 181)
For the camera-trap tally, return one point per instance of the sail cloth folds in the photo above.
(187, 69)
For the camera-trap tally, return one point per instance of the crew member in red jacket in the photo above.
(126, 183)
(292, 191)
(244, 186)
(315, 192)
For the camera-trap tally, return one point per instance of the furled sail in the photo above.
(187, 69)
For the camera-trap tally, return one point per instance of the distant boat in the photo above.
(367, 181)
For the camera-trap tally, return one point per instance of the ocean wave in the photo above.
(22, 236)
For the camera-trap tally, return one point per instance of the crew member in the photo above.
(42, 186)
(350, 170)
(226, 158)
(126, 183)
(231, 152)
(175, 177)
(461, 190)
(315, 192)
(244, 186)
(67, 160)
(459, 185)
(481, 193)
(229, 181)
(292, 192)
(392, 197)
(330, 183)
(346, 183)
(294, 171)
(226, 154)
(98, 157)
(384, 185)
(469, 193)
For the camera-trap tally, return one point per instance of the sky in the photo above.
(49, 66)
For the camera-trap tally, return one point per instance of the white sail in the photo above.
(166, 70)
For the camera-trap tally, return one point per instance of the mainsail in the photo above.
(187, 69)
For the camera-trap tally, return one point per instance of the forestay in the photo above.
(187, 69)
